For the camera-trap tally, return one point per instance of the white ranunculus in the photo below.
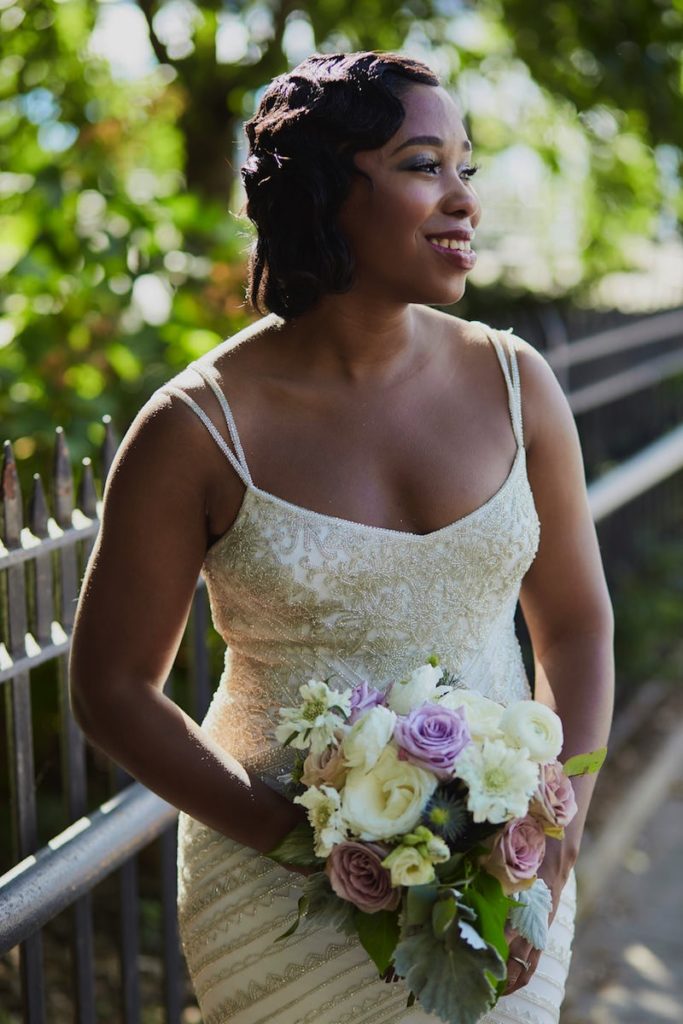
(407, 694)
(409, 867)
(501, 780)
(314, 722)
(533, 725)
(367, 738)
(481, 713)
(323, 806)
(389, 799)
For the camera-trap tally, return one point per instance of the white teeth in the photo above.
(452, 243)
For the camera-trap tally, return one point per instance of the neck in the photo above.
(343, 340)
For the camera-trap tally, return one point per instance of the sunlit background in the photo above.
(123, 254)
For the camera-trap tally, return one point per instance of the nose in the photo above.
(461, 201)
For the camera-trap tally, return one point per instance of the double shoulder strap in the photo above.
(238, 460)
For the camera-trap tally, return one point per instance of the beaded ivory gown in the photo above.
(297, 594)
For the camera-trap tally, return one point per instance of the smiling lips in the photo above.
(456, 250)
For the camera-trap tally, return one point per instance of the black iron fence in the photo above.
(52, 867)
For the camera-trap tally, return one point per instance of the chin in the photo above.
(445, 295)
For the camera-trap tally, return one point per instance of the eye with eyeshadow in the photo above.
(430, 166)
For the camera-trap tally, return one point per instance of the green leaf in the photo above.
(297, 848)
(443, 914)
(326, 907)
(418, 902)
(449, 978)
(302, 908)
(378, 934)
(486, 897)
(585, 764)
(530, 916)
(450, 871)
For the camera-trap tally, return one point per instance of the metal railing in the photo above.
(47, 557)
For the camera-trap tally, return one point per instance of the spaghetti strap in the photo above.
(511, 374)
(239, 462)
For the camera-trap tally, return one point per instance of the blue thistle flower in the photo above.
(446, 815)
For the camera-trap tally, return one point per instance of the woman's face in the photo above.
(421, 193)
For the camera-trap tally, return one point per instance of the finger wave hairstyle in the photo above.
(302, 140)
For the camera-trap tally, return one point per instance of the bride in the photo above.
(362, 480)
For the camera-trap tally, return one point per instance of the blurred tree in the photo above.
(121, 260)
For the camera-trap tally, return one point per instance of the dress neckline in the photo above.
(351, 524)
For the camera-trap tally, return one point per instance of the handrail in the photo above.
(78, 858)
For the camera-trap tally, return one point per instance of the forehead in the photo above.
(430, 110)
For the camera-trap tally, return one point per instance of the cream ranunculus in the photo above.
(407, 694)
(367, 738)
(388, 799)
(409, 867)
(533, 725)
(481, 713)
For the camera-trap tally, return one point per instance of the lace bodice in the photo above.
(296, 593)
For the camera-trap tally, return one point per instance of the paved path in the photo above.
(627, 966)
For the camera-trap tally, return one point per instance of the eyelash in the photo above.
(426, 165)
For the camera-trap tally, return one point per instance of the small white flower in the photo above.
(388, 800)
(323, 806)
(419, 688)
(437, 850)
(501, 780)
(533, 725)
(314, 722)
(482, 714)
(367, 738)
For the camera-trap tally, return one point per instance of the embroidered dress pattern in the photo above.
(297, 594)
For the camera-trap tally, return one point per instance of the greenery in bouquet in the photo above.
(428, 810)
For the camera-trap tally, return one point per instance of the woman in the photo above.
(383, 498)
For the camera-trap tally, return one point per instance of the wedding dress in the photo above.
(298, 594)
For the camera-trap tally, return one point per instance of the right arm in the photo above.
(133, 607)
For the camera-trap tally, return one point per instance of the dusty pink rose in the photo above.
(356, 874)
(327, 767)
(517, 853)
(554, 801)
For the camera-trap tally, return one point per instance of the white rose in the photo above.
(481, 713)
(533, 725)
(419, 688)
(367, 738)
(387, 800)
(409, 867)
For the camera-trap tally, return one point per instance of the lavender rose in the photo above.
(364, 697)
(356, 874)
(432, 736)
(517, 853)
(554, 801)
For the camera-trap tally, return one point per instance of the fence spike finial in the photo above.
(62, 481)
(87, 495)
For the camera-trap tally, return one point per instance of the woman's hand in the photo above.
(554, 871)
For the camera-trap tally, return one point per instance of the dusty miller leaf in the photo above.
(530, 916)
(297, 848)
(449, 977)
(325, 906)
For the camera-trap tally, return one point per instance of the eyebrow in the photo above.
(428, 140)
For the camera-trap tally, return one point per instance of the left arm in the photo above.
(564, 597)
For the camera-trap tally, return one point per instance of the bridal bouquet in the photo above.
(429, 807)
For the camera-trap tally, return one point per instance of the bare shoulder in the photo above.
(546, 412)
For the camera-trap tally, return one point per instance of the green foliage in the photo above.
(378, 934)
(531, 912)
(449, 976)
(585, 764)
(297, 848)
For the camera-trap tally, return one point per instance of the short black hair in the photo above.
(302, 139)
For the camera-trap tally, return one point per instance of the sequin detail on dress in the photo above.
(296, 593)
